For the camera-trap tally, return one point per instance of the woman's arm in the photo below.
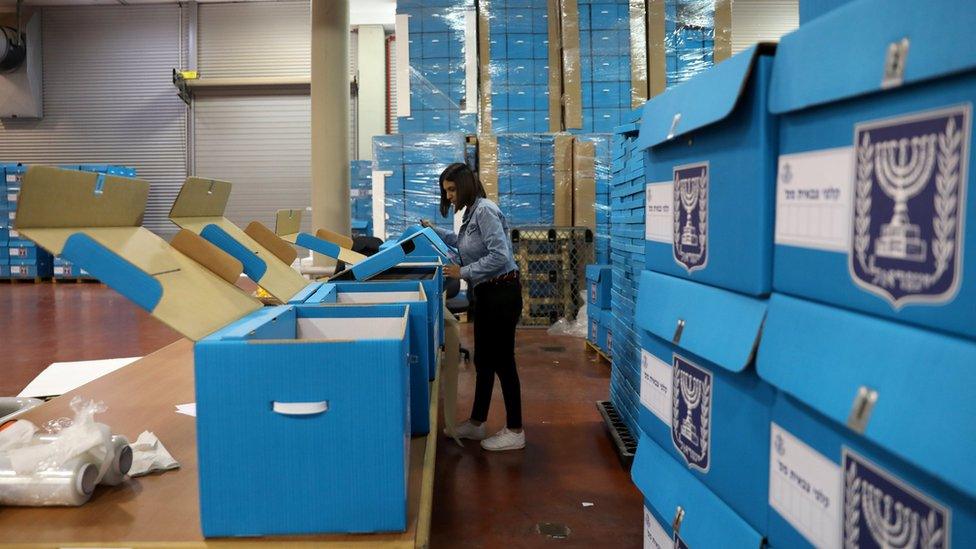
(446, 235)
(494, 238)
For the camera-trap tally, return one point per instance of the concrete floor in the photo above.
(481, 499)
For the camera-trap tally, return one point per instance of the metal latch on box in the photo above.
(861, 409)
(678, 330)
(679, 516)
(894, 68)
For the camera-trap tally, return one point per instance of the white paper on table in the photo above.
(187, 409)
(61, 377)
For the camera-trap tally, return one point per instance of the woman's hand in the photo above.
(452, 271)
(426, 223)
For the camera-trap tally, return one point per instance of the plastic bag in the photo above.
(572, 327)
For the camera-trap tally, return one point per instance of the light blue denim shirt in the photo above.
(483, 243)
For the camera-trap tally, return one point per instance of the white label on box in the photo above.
(813, 199)
(16, 270)
(11, 197)
(14, 233)
(805, 488)
(59, 271)
(655, 389)
(658, 217)
(11, 178)
(654, 535)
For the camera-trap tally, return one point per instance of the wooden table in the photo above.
(162, 510)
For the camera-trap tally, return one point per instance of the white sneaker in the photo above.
(504, 440)
(469, 431)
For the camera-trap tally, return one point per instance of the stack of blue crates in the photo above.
(518, 65)
(361, 196)
(24, 258)
(689, 38)
(415, 160)
(598, 300)
(627, 261)
(526, 182)
(604, 63)
(437, 76)
(5, 223)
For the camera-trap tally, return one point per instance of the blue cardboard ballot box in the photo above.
(422, 319)
(875, 105)
(872, 430)
(599, 280)
(284, 394)
(594, 319)
(710, 160)
(680, 511)
(702, 401)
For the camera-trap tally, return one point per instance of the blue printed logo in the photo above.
(690, 205)
(691, 412)
(882, 511)
(909, 205)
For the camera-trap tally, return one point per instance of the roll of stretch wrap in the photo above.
(121, 459)
(71, 484)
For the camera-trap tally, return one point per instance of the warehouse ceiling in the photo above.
(361, 12)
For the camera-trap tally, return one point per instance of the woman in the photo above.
(489, 267)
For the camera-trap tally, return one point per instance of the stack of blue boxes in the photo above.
(807, 375)
(626, 260)
(599, 315)
(361, 196)
(24, 258)
(416, 160)
(526, 181)
(689, 39)
(437, 75)
(604, 63)
(5, 224)
(518, 65)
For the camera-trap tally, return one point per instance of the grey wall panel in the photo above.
(762, 21)
(255, 39)
(261, 144)
(108, 98)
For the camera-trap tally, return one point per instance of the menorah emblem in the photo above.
(691, 228)
(882, 511)
(691, 392)
(691, 404)
(903, 167)
(908, 206)
(689, 199)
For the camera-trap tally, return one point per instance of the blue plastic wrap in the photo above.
(605, 57)
(437, 67)
(415, 162)
(518, 65)
(361, 197)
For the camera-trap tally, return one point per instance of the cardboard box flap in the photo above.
(388, 258)
(717, 325)
(199, 197)
(130, 259)
(707, 98)
(824, 356)
(339, 239)
(431, 246)
(596, 272)
(288, 223)
(199, 208)
(271, 242)
(328, 249)
(858, 48)
(668, 485)
(59, 198)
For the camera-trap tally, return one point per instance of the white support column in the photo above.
(371, 68)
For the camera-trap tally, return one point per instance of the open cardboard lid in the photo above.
(95, 221)
(266, 258)
(288, 223)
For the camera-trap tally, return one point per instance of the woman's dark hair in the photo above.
(466, 184)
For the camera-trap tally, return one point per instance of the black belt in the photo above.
(503, 278)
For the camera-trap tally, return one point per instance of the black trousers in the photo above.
(498, 306)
